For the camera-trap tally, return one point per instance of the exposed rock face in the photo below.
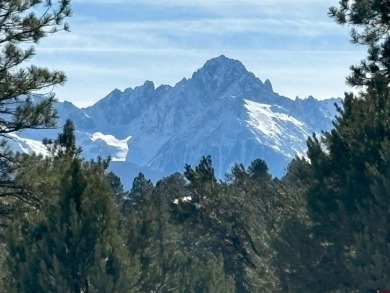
(222, 110)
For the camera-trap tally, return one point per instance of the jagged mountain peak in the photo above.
(219, 76)
(221, 72)
(268, 85)
(69, 105)
(222, 110)
(110, 98)
(222, 64)
(148, 86)
(115, 92)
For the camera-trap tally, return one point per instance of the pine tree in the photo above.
(140, 192)
(141, 228)
(258, 170)
(234, 219)
(206, 275)
(36, 179)
(370, 22)
(342, 246)
(341, 201)
(370, 260)
(25, 22)
(202, 178)
(76, 245)
(116, 185)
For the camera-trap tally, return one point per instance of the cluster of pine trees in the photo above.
(67, 224)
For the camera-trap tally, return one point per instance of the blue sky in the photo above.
(122, 43)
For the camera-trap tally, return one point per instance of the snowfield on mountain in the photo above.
(223, 110)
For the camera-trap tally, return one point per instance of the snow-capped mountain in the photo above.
(222, 110)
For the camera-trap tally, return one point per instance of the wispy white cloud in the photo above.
(122, 43)
(204, 2)
(135, 36)
(292, 73)
(220, 26)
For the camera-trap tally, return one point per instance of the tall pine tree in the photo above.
(76, 245)
(23, 23)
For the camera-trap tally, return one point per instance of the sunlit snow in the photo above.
(26, 145)
(223, 111)
(280, 131)
(111, 140)
(267, 121)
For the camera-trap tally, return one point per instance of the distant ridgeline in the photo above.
(222, 110)
(67, 224)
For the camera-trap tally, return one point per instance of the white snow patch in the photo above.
(111, 140)
(186, 199)
(26, 145)
(266, 121)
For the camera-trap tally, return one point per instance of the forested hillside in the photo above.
(67, 224)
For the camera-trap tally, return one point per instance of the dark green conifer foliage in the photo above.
(141, 190)
(25, 22)
(370, 257)
(65, 144)
(202, 178)
(76, 246)
(141, 227)
(343, 239)
(116, 185)
(172, 254)
(342, 204)
(191, 259)
(298, 253)
(258, 170)
(206, 275)
(370, 22)
(298, 173)
(234, 219)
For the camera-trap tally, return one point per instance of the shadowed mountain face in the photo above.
(222, 110)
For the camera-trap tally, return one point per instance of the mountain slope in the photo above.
(222, 110)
